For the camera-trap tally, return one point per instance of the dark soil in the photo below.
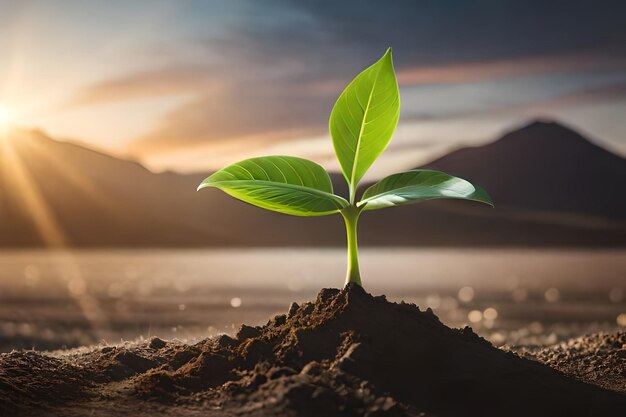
(597, 358)
(346, 354)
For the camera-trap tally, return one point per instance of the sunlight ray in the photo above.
(68, 171)
(26, 193)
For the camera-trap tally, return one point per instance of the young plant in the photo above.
(361, 125)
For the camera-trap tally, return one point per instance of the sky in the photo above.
(193, 85)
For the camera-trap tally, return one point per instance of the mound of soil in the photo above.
(347, 354)
(597, 358)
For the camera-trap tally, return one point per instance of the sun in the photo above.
(7, 117)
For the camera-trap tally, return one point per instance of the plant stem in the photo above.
(351, 217)
(352, 194)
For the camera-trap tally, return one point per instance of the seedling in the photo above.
(361, 125)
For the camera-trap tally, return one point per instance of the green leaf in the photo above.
(285, 184)
(420, 185)
(364, 119)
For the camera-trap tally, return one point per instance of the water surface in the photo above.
(62, 299)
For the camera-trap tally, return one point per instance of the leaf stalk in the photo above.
(351, 217)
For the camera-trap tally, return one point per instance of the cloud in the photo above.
(274, 71)
(492, 70)
(449, 31)
(599, 94)
(272, 108)
(529, 106)
(261, 112)
(150, 83)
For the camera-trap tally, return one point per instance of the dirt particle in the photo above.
(255, 350)
(247, 332)
(156, 343)
(280, 372)
(135, 362)
(181, 357)
(279, 320)
(293, 309)
(307, 308)
(225, 340)
(312, 368)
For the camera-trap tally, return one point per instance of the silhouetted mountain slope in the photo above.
(61, 194)
(81, 197)
(545, 166)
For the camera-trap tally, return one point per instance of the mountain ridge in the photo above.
(92, 199)
(551, 158)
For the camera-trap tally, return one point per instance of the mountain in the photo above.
(55, 193)
(545, 166)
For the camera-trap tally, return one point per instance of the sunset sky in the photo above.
(192, 85)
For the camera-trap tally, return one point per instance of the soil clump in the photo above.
(346, 354)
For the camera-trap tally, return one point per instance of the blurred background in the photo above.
(111, 113)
